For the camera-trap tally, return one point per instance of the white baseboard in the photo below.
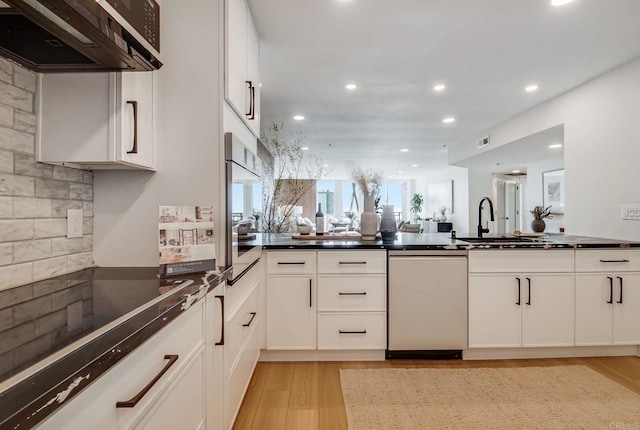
(314, 355)
(576, 351)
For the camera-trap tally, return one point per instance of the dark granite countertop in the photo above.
(53, 330)
(439, 241)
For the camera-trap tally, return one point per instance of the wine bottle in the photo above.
(319, 221)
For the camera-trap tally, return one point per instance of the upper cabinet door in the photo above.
(242, 64)
(236, 55)
(136, 108)
(97, 120)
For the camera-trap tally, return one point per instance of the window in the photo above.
(325, 195)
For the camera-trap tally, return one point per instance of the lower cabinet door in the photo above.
(626, 302)
(594, 309)
(291, 312)
(547, 310)
(181, 406)
(495, 310)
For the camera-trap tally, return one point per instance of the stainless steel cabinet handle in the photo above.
(134, 148)
(253, 315)
(614, 261)
(221, 341)
(352, 332)
(364, 293)
(131, 403)
(252, 95)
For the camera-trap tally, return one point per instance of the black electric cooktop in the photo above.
(39, 319)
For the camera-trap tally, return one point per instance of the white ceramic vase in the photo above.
(369, 219)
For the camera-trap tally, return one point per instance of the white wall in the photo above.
(533, 193)
(190, 153)
(601, 150)
(459, 175)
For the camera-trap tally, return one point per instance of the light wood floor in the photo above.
(307, 396)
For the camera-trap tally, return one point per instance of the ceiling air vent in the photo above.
(483, 142)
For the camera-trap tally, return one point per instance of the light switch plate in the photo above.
(630, 212)
(74, 223)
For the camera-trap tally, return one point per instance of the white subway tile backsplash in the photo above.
(13, 230)
(6, 71)
(16, 97)
(28, 166)
(25, 79)
(25, 121)
(6, 207)
(64, 246)
(11, 185)
(67, 174)
(79, 261)
(6, 253)
(16, 274)
(6, 116)
(81, 191)
(52, 188)
(30, 207)
(87, 208)
(17, 141)
(34, 197)
(31, 250)
(59, 207)
(6, 161)
(55, 227)
(49, 268)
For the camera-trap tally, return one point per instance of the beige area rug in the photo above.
(558, 397)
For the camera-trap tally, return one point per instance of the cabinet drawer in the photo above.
(283, 263)
(352, 262)
(352, 330)
(96, 408)
(345, 293)
(239, 325)
(607, 260)
(515, 260)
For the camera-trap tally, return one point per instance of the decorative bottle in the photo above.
(319, 221)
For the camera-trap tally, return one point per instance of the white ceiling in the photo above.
(485, 51)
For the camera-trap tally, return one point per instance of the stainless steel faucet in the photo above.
(481, 229)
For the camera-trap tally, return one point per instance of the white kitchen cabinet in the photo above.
(607, 308)
(97, 120)
(214, 341)
(242, 335)
(176, 400)
(291, 312)
(242, 64)
(510, 309)
(352, 300)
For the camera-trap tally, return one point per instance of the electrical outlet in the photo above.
(630, 212)
(74, 223)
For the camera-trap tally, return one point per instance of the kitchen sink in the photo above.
(499, 239)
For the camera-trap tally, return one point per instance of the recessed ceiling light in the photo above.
(515, 171)
(560, 2)
(555, 145)
(298, 117)
(400, 172)
(404, 150)
(449, 120)
(305, 148)
(414, 165)
(325, 165)
(531, 88)
(351, 86)
(439, 87)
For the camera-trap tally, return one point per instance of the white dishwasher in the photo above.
(427, 304)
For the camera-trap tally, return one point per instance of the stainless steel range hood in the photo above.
(81, 35)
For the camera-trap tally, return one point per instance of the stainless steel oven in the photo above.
(243, 206)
